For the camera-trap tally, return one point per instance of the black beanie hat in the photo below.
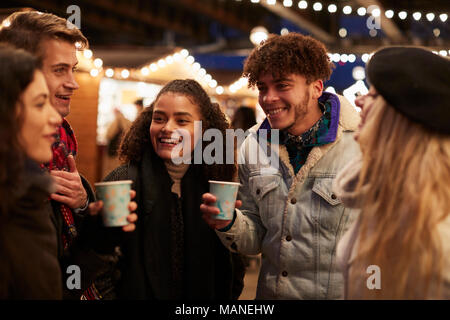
(414, 81)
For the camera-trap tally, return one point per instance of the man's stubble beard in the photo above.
(300, 111)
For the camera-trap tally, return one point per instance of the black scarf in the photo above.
(173, 254)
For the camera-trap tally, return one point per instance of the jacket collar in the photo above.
(34, 177)
(343, 114)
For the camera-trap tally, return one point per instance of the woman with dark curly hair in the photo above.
(29, 267)
(173, 254)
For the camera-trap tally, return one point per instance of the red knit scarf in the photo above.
(65, 145)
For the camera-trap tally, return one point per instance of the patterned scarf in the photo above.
(299, 147)
(64, 145)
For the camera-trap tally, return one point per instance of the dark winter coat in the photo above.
(29, 267)
(146, 266)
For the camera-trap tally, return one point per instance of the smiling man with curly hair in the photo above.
(288, 212)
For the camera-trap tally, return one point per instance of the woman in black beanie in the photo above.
(399, 248)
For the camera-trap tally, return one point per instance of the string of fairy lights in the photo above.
(371, 10)
(360, 10)
(96, 67)
(197, 71)
(145, 72)
(201, 74)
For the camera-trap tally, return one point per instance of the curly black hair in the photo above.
(292, 53)
(137, 139)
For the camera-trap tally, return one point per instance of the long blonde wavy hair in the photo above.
(406, 170)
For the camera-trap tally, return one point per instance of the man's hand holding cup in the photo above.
(218, 205)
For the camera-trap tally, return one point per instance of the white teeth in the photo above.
(171, 141)
(275, 111)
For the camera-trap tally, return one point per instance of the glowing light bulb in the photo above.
(87, 54)
(6, 23)
(201, 72)
(365, 57)
(190, 59)
(342, 32)
(161, 63)
(94, 73)
(389, 14)
(196, 66)
(184, 53)
(125, 73)
(303, 4)
(219, 90)
(417, 16)
(98, 63)
(145, 71)
(287, 3)
(177, 57)
(213, 83)
(109, 72)
(207, 78)
(317, 6)
(169, 60)
(402, 15)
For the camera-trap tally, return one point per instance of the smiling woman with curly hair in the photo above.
(174, 254)
(137, 139)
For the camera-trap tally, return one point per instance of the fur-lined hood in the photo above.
(349, 119)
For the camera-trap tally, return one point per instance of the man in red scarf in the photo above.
(55, 41)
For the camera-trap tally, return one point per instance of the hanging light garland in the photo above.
(348, 9)
(362, 11)
(95, 68)
(201, 74)
(198, 72)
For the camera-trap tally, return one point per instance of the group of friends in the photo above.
(349, 190)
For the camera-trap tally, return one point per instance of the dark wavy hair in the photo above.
(17, 69)
(137, 139)
(287, 54)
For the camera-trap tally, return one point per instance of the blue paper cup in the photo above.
(115, 196)
(226, 193)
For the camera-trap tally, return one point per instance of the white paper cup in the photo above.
(116, 197)
(226, 193)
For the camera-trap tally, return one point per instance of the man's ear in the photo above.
(317, 89)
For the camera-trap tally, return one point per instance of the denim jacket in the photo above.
(295, 221)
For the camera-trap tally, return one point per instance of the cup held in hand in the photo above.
(226, 193)
(116, 197)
